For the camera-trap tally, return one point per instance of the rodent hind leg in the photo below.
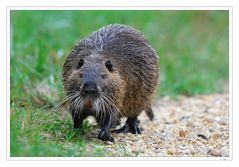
(150, 113)
(131, 126)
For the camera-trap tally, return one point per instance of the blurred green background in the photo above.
(194, 59)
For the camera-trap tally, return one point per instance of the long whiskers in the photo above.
(103, 105)
(107, 105)
(68, 98)
(109, 99)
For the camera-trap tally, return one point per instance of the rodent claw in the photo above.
(105, 136)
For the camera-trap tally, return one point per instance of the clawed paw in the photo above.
(129, 128)
(105, 136)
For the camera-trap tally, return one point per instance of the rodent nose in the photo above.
(90, 88)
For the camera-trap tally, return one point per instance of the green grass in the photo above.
(192, 46)
(40, 132)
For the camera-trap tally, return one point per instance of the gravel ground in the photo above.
(187, 126)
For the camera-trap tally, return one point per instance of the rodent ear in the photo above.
(109, 65)
(80, 63)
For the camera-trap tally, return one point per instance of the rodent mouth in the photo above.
(88, 103)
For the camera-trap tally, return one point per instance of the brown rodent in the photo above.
(113, 73)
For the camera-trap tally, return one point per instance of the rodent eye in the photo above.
(81, 75)
(80, 63)
(104, 76)
(109, 65)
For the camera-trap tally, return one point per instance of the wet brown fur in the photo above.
(136, 67)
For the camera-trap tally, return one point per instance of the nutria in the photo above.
(113, 73)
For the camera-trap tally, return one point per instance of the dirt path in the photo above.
(188, 126)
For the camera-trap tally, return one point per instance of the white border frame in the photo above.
(229, 8)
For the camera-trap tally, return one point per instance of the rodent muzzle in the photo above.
(90, 89)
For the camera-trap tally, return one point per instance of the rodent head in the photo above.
(92, 82)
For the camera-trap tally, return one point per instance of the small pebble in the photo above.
(216, 136)
(184, 118)
(202, 136)
(182, 133)
(190, 124)
(109, 142)
(214, 153)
